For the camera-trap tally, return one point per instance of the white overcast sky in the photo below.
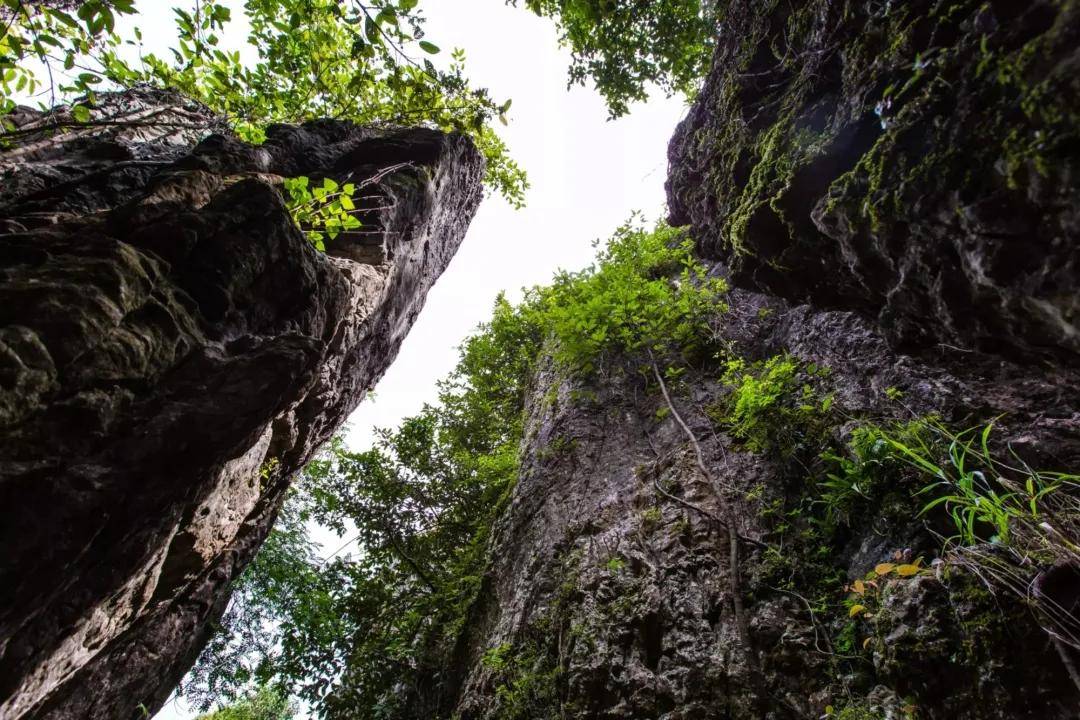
(587, 175)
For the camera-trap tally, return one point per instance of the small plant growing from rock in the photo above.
(774, 404)
(972, 486)
(321, 211)
(865, 594)
(651, 517)
(615, 564)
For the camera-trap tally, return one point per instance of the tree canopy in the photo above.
(625, 46)
(369, 62)
(363, 60)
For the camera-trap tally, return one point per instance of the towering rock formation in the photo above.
(172, 351)
(892, 189)
(914, 162)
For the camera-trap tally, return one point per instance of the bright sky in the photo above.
(587, 174)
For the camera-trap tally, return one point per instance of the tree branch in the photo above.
(727, 522)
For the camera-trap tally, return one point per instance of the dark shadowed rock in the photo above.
(892, 189)
(172, 351)
(915, 161)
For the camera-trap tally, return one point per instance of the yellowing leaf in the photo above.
(856, 609)
(907, 570)
(884, 568)
(859, 587)
(866, 643)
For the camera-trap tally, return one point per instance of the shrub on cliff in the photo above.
(264, 703)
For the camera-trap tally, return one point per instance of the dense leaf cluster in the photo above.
(341, 59)
(646, 292)
(264, 703)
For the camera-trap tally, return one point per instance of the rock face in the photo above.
(913, 161)
(614, 596)
(892, 189)
(172, 350)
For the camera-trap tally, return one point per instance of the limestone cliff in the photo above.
(915, 162)
(172, 350)
(892, 189)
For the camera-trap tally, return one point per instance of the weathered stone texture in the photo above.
(915, 161)
(892, 189)
(626, 590)
(172, 350)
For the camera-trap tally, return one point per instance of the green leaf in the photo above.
(64, 18)
(430, 48)
(372, 32)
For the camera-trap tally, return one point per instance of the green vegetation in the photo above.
(321, 211)
(984, 494)
(646, 292)
(355, 634)
(957, 477)
(773, 404)
(525, 680)
(315, 59)
(624, 46)
(264, 703)
(869, 470)
(854, 711)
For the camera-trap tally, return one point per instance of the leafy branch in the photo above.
(315, 59)
(323, 210)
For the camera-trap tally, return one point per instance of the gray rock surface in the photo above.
(617, 594)
(914, 161)
(892, 189)
(172, 350)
